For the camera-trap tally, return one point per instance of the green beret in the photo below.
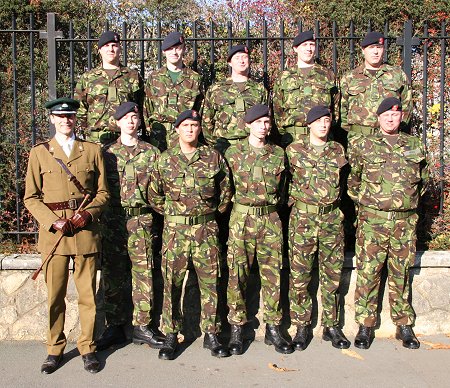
(317, 112)
(390, 103)
(255, 112)
(187, 114)
(125, 108)
(107, 37)
(62, 106)
(173, 39)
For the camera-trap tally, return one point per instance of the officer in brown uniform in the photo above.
(61, 174)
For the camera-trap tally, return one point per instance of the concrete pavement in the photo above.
(385, 364)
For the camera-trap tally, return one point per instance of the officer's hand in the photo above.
(81, 219)
(64, 226)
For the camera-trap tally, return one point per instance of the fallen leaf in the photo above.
(275, 367)
(352, 353)
(435, 346)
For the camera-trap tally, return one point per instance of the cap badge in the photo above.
(394, 107)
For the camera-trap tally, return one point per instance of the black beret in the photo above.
(372, 38)
(62, 106)
(107, 37)
(317, 112)
(173, 39)
(390, 103)
(125, 108)
(303, 37)
(240, 48)
(187, 114)
(255, 112)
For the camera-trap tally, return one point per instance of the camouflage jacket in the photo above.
(362, 93)
(128, 174)
(198, 186)
(225, 106)
(316, 179)
(294, 95)
(100, 95)
(385, 177)
(164, 100)
(257, 177)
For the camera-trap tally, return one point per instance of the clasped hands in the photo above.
(78, 221)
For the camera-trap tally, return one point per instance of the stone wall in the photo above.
(23, 307)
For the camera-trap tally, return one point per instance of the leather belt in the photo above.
(254, 210)
(137, 211)
(191, 220)
(363, 129)
(315, 209)
(389, 215)
(73, 204)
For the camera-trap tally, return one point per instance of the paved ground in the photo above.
(385, 364)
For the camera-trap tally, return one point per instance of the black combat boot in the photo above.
(113, 335)
(236, 342)
(274, 337)
(212, 343)
(364, 337)
(144, 335)
(336, 336)
(51, 364)
(406, 334)
(300, 340)
(167, 352)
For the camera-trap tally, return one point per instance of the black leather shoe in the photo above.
(211, 342)
(113, 335)
(51, 363)
(274, 337)
(91, 363)
(167, 352)
(406, 334)
(336, 336)
(364, 337)
(236, 342)
(300, 341)
(144, 335)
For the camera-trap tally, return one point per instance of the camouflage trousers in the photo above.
(310, 234)
(115, 266)
(198, 243)
(379, 240)
(252, 235)
(140, 252)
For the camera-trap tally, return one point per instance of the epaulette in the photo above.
(41, 143)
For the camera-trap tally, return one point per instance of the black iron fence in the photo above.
(64, 54)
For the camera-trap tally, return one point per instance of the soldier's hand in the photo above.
(81, 219)
(64, 226)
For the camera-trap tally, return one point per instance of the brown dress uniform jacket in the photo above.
(47, 182)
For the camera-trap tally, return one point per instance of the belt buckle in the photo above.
(73, 204)
(191, 221)
(258, 211)
(391, 216)
(322, 210)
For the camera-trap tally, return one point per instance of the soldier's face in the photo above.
(390, 121)
(174, 54)
(260, 128)
(320, 128)
(64, 124)
(240, 63)
(305, 51)
(373, 55)
(110, 53)
(188, 131)
(129, 124)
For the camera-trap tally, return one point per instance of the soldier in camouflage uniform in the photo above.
(169, 91)
(316, 227)
(255, 227)
(129, 163)
(101, 90)
(190, 184)
(388, 175)
(227, 101)
(300, 88)
(365, 87)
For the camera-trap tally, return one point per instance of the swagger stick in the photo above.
(50, 255)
